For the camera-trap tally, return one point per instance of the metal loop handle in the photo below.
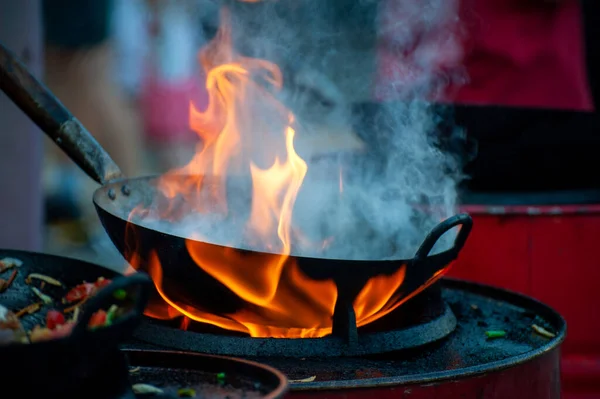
(463, 220)
(104, 298)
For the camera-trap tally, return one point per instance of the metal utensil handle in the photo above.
(47, 112)
(462, 220)
(104, 298)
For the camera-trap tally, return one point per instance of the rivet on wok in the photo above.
(125, 190)
(111, 194)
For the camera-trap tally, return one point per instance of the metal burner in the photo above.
(466, 364)
(422, 320)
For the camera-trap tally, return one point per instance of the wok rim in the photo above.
(116, 188)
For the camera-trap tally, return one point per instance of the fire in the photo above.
(281, 301)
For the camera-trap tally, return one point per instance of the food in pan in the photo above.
(6, 264)
(5, 284)
(11, 330)
(57, 323)
(9, 263)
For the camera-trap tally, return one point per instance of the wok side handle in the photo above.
(463, 220)
(51, 116)
(104, 298)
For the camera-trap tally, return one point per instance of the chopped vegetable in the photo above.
(74, 307)
(11, 329)
(186, 393)
(76, 313)
(85, 290)
(221, 378)
(111, 314)
(4, 284)
(9, 263)
(102, 282)
(79, 292)
(34, 307)
(45, 334)
(542, 331)
(44, 278)
(120, 294)
(98, 319)
(495, 334)
(141, 389)
(54, 319)
(309, 379)
(56, 324)
(45, 298)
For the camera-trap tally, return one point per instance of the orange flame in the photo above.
(280, 300)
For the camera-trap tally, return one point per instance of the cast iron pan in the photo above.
(80, 364)
(208, 376)
(89, 363)
(118, 196)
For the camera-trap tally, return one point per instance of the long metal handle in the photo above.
(51, 116)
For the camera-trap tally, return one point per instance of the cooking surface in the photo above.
(171, 381)
(424, 319)
(467, 350)
(208, 377)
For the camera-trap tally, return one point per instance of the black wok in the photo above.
(182, 277)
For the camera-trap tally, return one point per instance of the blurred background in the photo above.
(523, 98)
(523, 101)
(127, 70)
(525, 104)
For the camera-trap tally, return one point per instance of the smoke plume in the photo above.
(360, 77)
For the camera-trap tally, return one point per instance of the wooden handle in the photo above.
(51, 116)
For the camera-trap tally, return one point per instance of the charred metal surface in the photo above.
(465, 353)
(370, 343)
(50, 115)
(175, 370)
(344, 323)
(424, 319)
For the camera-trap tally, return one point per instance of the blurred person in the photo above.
(79, 57)
(171, 80)
(521, 75)
(79, 61)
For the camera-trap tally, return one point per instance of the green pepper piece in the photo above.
(186, 393)
(120, 294)
(221, 378)
(110, 315)
(495, 334)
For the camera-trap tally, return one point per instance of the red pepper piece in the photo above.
(98, 319)
(102, 282)
(54, 319)
(80, 292)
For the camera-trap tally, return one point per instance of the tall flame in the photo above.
(281, 300)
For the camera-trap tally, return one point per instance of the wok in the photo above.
(182, 277)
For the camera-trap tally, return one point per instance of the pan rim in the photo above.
(117, 188)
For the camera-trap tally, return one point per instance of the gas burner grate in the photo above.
(422, 320)
(465, 352)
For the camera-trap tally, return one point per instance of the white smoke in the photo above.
(396, 183)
